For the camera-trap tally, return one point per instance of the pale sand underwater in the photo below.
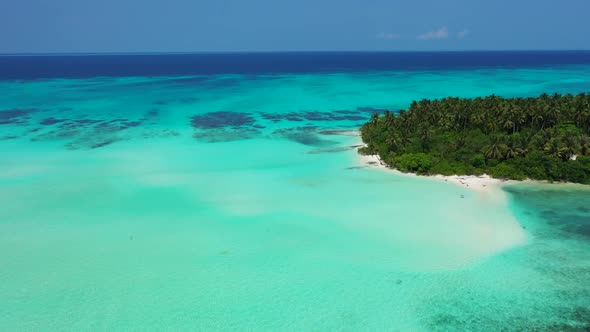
(494, 236)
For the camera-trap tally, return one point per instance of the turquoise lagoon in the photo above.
(238, 202)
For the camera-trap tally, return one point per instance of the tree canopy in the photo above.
(542, 138)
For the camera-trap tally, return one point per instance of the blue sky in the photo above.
(46, 26)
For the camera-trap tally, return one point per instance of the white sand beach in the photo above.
(483, 184)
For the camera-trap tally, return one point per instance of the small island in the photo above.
(541, 138)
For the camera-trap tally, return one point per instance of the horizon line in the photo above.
(283, 52)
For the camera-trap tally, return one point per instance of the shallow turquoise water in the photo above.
(140, 204)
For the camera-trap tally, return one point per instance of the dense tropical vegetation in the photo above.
(544, 138)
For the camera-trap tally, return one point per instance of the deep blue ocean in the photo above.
(119, 65)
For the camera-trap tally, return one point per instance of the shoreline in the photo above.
(483, 184)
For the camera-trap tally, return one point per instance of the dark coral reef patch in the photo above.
(307, 135)
(225, 126)
(51, 121)
(15, 116)
(222, 119)
(86, 133)
(360, 114)
(217, 135)
(312, 116)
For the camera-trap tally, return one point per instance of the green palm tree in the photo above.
(375, 119)
(582, 117)
(426, 134)
(495, 150)
(572, 142)
(552, 148)
(478, 118)
(508, 124)
(584, 145)
(394, 142)
(389, 119)
(513, 149)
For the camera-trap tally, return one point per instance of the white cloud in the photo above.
(388, 36)
(442, 33)
(462, 34)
